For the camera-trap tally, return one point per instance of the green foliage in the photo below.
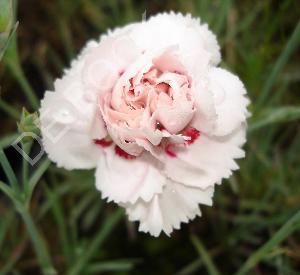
(53, 221)
(6, 25)
(6, 14)
(275, 115)
(29, 123)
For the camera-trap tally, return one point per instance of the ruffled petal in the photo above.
(104, 64)
(67, 120)
(205, 115)
(65, 133)
(127, 180)
(206, 161)
(174, 118)
(166, 211)
(178, 30)
(229, 100)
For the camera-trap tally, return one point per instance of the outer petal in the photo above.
(66, 121)
(104, 64)
(66, 133)
(205, 113)
(122, 180)
(229, 100)
(207, 161)
(166, 211)
(176, 29)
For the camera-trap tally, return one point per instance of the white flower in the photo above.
(148, 108)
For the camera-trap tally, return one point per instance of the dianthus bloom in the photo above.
(149, 108)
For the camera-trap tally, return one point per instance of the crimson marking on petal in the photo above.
(192, 133)
(169, 152)
(159, 126)
(121, 153)
(103, 142)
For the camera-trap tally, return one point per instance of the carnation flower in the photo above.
(148, 107)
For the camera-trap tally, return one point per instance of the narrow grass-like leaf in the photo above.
(8, 191)
(95, 244)
(276, 115)
(12, 61)
(81, 205)
(7, 268)
(8, 171)
(38, 173)
(6, 141)
(221, 17)
(5, 223)
(7, 39)
(61, 225)
(9, 110)
(288, 228)
(112, 266)
(204, 255)
(191, 268)
(90, 216)
(48, 204)
(203, 10)
(281, 61)
(66, 37)
(38, 243)
(78, 210)
(244, 23)
(26, 146)
(6, 13)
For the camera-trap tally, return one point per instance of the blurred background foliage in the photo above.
(54, 222)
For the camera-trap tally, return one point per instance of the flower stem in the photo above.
(38, 242)
(26, 87)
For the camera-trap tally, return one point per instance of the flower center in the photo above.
(169, 147)
(151, 108)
